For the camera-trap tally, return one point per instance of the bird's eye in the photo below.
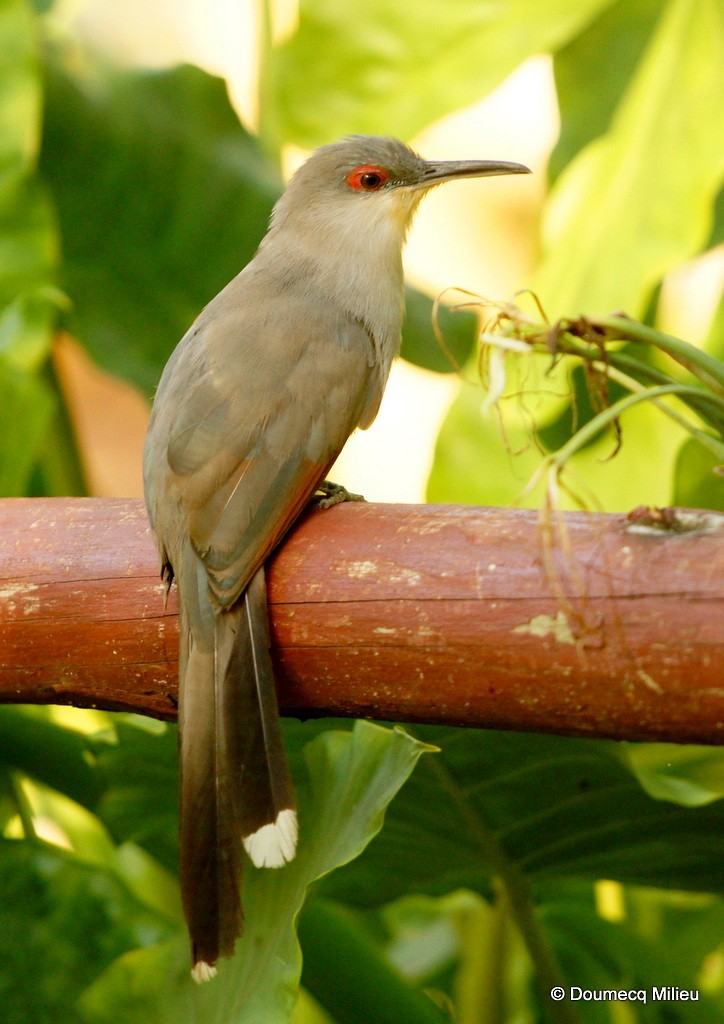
(367, 178)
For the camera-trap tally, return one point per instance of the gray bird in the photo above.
(253, 408)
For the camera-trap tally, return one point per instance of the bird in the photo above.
(252, 409)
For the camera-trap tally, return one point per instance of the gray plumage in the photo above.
(253, 407)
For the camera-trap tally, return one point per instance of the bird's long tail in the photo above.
(235, 785)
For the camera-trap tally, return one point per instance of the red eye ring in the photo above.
(368, 178)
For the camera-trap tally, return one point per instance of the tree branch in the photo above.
(470, 616)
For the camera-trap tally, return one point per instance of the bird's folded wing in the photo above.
(254, 437)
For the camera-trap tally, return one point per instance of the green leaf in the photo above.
(475, 463)
(419, 343)
(61, 924)
(26, 324)
(345, 970)
(162, 198)
(38, 452)
(353, 777)
(545, 806)
(55, 755)
(26, 410)
(130, 986)
(686, 775)
(717, 231)
(390, 69)
(715, 340)
(27, 242)
(578, 411)
(27, 255)
(138, 763)
(588, 88)
(698, 479)
(639, 200)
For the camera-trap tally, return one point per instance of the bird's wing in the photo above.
(257, 429)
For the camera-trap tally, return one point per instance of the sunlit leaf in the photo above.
(26, 408)
(383, 68)
(639, 200)
(684, 774)
(698, 479)
(476, 463)
(27, 254)
(589, 84)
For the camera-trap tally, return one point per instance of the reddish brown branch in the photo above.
(423, 613)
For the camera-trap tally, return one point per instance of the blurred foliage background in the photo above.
(128, 197)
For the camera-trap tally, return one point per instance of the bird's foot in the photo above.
(329, 494)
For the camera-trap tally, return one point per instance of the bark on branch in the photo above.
(470, 616)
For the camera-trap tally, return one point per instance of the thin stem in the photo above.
(715, 446)
(267, 116)
(517, 894)
(22, 806)
(703, 403)
(698, 362)
(480, 987)
(589, 430)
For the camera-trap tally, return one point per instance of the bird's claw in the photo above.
(329, 493)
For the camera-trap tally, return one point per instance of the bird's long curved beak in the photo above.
(446, 170)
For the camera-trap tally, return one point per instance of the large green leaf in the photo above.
(162, 198)
(27, 247)
(392, 68)
(639, 200)
(589, 83)
(27, 255)
(543, 806)
(553, 808)
(352, 778)
(475, 464)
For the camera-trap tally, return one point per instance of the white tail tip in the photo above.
(271, 846)
(202, 971)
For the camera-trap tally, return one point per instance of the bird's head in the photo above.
(341, 223)
(372, 184)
